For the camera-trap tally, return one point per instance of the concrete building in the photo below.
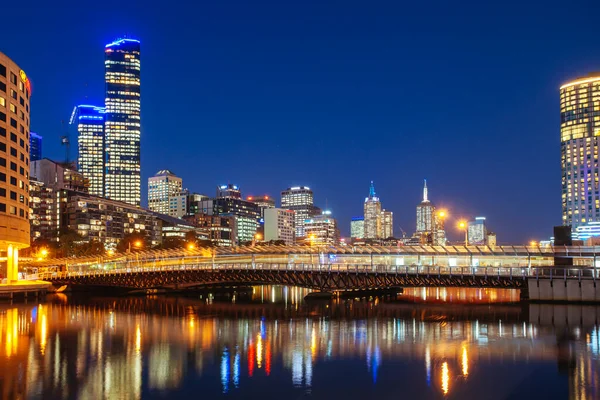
(426, 219)
(321, 230)
(580, 143)
(219, 230)
(178, 205)
(194, 203)
(161, 187)
(372, 212)
(300, 200)
(245, 213)
(58, 175)
(171, 227)
(122, 121)
(387, 224)
(89, 122)
(357, 228)
(35, 147)
(477, 231)
(279, 225)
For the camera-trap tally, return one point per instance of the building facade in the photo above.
(89, 122)
(122, 121)
(279, 225)
(426, 219)
(321, 230)
(299, 199)
(477, 231)
(579, 137)
(357, 228)
(178, 204)
(58, 175)
(161, 187)
(15, 93)
(264, 202)
(35, 147)
(387, 224)
(245, 214)
(218, 229)
(229, 190)
(372, 211)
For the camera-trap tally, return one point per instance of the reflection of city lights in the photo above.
(225, 370)
(251, 360)
(465, 361)
(258, 351)
(11, 331)
(428, 365)
(43, 331)
(313, 344)
(268, 358)
(445, 378)
(138, 339)
(236, 368)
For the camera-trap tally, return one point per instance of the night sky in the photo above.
(331, 95)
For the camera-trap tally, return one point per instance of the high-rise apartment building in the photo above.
(300, 200)
(161, 187)
(279, 225)
(579, 137)
(15, 90)
(89, 122)
(58, 176)
(372, 210)
(321, 230)
(387, 224)
(245, 214)
(426, 219)
(122, 121)
(35, 147)
(357, 228)
(477, 231)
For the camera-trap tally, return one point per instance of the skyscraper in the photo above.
(425, 218)
(89, 122)
(357, 228)
(477, 231)
(322, 230)
(387, 224)
(229, 190)
(279, 225)
(161, 187)
(122, 121)
(579, 137)
(35, 147)
(300, 199)
(372, 209)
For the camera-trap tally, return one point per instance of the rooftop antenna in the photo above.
(64, 141)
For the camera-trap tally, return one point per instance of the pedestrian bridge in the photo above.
(333, 268)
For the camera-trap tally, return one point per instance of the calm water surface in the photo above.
(267, 343)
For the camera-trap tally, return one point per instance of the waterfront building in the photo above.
(279, 225)
(161, 187)
(172, 227)
(229, 190)
(220, 230)
(58, 176)
(477, 231)
(122, 121)
(321, 230)
(245, 213)
(89, 122)
(300, 200)
(357, 228)
(579, 137)
(426, 218)
(264, 202)
(372, 211)
(43, 211)
(387, 224)
(35, 147)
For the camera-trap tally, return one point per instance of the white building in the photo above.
(300, 200)
(321, 230)
(372, 209)
(279, 225)
(161, 187)
(426, 219)
(477, 232)
(387, 224)
(178, 205)
(357, 228)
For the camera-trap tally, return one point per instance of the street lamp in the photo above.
(191, 246)
(137, 243)
(533, 243)
(463, 226)
(44, 253)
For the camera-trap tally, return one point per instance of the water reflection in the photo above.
(153, 347)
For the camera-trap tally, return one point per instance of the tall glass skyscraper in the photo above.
(426, 218)
(122, 121)
(579, 144)
(35, 147)
(89, 121)
(299, 199)
(372, 210)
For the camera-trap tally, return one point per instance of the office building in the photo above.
(264, 202)
(229, 190)
(372, 211)
(178, 204)
(89, 122)
(579, 137)
(35, 147)
(245, 213)
(387, 224)
(279, 225)
(440, 229)
(321, 230)
(193, 203)
(426, 218)
(122, 121)
(357, 228)
(220, 230)
(172, 227)
(58, 176)
(15, 90)
(161, 187)
(300, 200)
(476, 231)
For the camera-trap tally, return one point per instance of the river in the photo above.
(268, 343)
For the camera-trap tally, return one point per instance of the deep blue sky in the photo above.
(332, 94)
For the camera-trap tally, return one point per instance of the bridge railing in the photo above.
(579, 272)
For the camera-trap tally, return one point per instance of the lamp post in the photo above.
(463, 225)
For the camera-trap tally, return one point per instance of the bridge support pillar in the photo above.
(12, 264)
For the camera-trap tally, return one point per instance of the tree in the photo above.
(68, 242)
(93, 248)
(134, 241)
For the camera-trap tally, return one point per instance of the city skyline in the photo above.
(455, 140)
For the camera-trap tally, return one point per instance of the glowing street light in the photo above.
(462, 225)
(44, 253)
(110, 252)
(533, 243)
(138, 243)
(191, 246)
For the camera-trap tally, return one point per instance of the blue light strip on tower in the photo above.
(121, 41)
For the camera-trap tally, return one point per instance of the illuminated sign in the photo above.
(25, 80)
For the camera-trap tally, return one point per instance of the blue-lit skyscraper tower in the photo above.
(122, 121)
(35, 147)
(89, 122)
